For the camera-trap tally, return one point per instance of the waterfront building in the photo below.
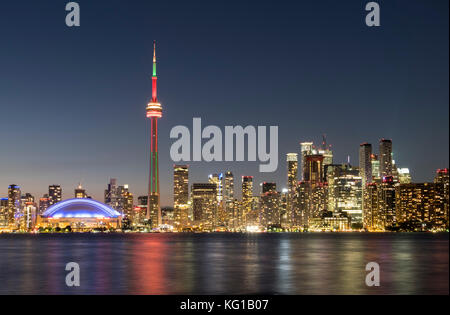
(386, 203)
(229, 200)
(128, 203)
(371, 217)
(442, 177)
(421, 206)
(292, 179)
(301, 213)
(79, 215)
(247, 202)
(292, 175)
(14, 203)
(318, 200)
(112, 194)
(270, 206)
(28, 217)
(330, 223)
(181, 196)
(286, 216)
(4, 222)
(204, 203)
(345, 192)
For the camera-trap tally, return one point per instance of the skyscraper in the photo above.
(44, 203)
(247, 201)
(365, 170)
(372, 219)
(306, 148)
(386, 203)
(14, 202)
(111, 194)
(204, 202)
(301, 213)
(270, 205)
(313, 171)
(442, 177)
(125, 201)
(385, 157)
(231, 209)
(180, 195)
(365, 163)
(375, 167)
(154, 112)
(217, 179)
(292, 176)
(54, 194)
(421, 206)
(4, 212)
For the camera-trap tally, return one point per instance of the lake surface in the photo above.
(323, 263)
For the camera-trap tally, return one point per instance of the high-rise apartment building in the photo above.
(204, 203)
(292, 175)
(232, 211)
(248, 217)
(301, 213)
(54, 194)
(181, 195)
(4, 210)
(372, 218)
(375, 167)
(421, 206)
(313, 171)
(386, 203)
(270, 205)
(306, 148)
(111, 194)
(365, 163)
(44, 203)
(385, 157)
(442, 177)
(14, 203)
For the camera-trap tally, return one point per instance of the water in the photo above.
(225, 263)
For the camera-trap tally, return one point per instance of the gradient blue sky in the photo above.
(73, 99)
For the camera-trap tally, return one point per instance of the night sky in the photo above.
(73, 99)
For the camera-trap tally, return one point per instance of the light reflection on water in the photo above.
(225, 263)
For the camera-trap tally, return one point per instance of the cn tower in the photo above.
(154, 112)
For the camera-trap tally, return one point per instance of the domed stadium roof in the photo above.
(80, 208)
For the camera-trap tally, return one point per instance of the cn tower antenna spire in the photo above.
(154, 58)
(154, 77)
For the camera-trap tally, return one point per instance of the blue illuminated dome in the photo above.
(80, 208)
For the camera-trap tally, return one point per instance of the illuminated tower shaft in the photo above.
(154, 112)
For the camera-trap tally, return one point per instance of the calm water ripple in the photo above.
(225, 263)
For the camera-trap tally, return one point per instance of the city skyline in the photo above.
(41, 149)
